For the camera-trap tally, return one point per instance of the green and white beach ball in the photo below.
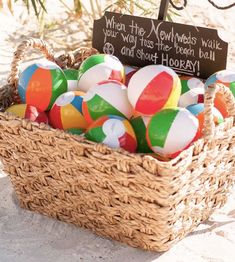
(192, 91)
(172, 130)
(113, 131)
(106, 98)
(97, 68)
(139, 125)
(72, 79)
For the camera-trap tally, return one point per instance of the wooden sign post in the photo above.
(163, 9)
(140, 41)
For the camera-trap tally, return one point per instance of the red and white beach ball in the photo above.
(153, 88)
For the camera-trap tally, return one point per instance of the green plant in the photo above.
(37, 5)
(81, 14)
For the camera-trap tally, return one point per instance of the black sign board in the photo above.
(139, 41)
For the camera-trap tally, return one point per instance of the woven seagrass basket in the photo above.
(133, 198)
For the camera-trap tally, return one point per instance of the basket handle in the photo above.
(9, 92)
(209, 125)
(69, 59)
(19, 56)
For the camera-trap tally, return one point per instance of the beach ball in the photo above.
(66, 113)
(153, 88)
(106, 98)
(139, 125)
(113, 131)
(41, 83)
(97, 68)
(129, 72)
(198, 111)
(227, 78)
(220, 104)
(28, 112)
(72, 79)
(172, 130)
(192, 91)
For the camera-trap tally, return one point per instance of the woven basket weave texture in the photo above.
(132, 198)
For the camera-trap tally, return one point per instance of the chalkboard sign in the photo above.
(139, 41)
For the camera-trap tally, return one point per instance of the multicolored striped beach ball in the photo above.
(66, 113)
(227, 78)
(139, 125)
(172, 130)
(198, 111)
(41, 83)
(129, 72)
(192, 91)
(113, 131)
(220, 104)
(97, 68)
(106, 98)
(28, 112)
(153, 88)
(72, 79)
